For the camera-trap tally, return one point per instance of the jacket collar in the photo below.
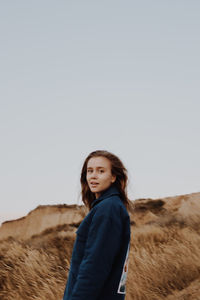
(112, 190)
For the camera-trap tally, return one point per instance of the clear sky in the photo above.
(77, 76)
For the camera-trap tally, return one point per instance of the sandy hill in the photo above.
(143, 211)
(41, 218)
(35, 250)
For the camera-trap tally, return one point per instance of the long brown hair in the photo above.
(117, 168)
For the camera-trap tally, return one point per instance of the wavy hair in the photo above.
(117, 168)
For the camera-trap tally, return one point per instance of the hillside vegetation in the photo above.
(164, 255)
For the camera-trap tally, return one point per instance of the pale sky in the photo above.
(77, 76)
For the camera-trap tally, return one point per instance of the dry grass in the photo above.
(164, 262)
(35, 269)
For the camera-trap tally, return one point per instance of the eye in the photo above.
(89, 170)
(101, 171)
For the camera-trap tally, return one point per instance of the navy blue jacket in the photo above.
(99, 263)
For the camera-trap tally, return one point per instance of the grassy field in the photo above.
(164, 262)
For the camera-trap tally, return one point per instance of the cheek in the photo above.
(107, 179)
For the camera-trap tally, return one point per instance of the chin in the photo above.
(95, 191)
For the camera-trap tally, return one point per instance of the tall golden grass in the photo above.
(164, 262)
(36, 268)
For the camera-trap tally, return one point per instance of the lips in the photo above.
(93, 184)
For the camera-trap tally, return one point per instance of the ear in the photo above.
(113, 178)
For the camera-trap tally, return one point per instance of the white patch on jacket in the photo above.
(122, 283)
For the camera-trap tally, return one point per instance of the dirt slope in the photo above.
(41, 218)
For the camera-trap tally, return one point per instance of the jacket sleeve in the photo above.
(102, 246)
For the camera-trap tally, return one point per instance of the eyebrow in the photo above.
(97, 168)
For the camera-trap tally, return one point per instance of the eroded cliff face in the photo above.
(181, 207)
(144, 211)
(41, 218)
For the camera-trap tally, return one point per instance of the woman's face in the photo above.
(99, 176)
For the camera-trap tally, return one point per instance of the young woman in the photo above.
(99, 263)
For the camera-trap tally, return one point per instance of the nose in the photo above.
(94, 174)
